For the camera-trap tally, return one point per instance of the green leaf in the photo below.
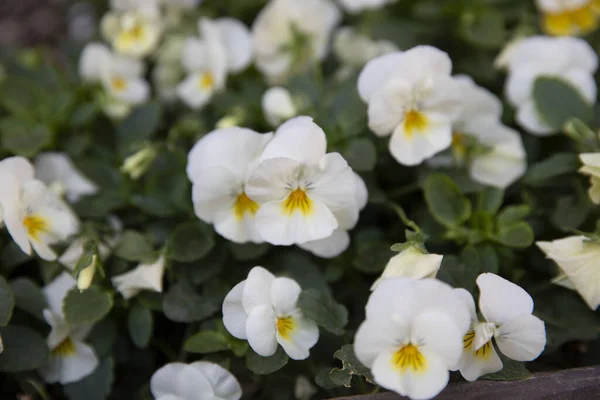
(190, 241)
(490, 200)
(488, 258)
(7, 302)
(102, 337)
(24, 349)
(86, 306)
(512, 215)
(511, 370)
(266, 365)
(361, 154)
(556, 101)
(29, 297)
(248, 251)
(140, 324)
(484, 29)
(519, 235)
(134, 246)
(323, 380)
(205, 342)
(542, 173)
(340, 377)
(12, 256)
(183, 304)
(22, 138)
(351, 364)
(571, 212)
(445, 200)
(84, 114)
(372, 251)
(324, 310)
(139, 126)
(95, 386)
(456, 273)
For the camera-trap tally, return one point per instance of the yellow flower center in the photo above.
(35, 225)
(118, 84)
(206, 81)
(297, 200)
(414, 121)
(484, 352)
(409, 358)
(64, 349)
(244, 204)
(285, 326)
(581, 20)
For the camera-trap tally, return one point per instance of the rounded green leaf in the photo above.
(140, 324)
(183, 304)
(7, 302)
(29, 296)
(190, 242)
(324, 310)
(134, 246)
(95, 386)
(24, 349)
(86, 306)
(266, 365)
(445, 200)
(205, 342)
(557, 101)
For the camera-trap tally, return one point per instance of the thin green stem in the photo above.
(403, 217)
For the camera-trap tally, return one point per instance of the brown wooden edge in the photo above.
(576, 384)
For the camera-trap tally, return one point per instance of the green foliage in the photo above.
(350, 367)
(557, 102)
(7, 302)
(182, 304)
(95, 386)
(190, 241)
(140, 323)
(266, 365)
(28, 297)
(445, 201)
(324, 310)
(24, 349)
(205, 342)
(86, 306)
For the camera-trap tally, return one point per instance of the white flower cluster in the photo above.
(280, 188)
(570, 59)
(416, 331)
(569, 17)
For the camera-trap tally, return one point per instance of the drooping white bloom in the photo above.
(507, 310)
(225, 46)
(591, 167)
(57, 171)
(218, 167)
(134, 32)
(300, 189)
(577, 258)
(339, 240)
(278, 105)
(411, 262)
(197, 381)
(498, 156)
(570, 59)
(262, 309)
(356, 6)
(290, 35)
(412, 335)
(568, 17)
(355, 49)
(411, 96)
(33, 214)
(143, 277)
(70, 358)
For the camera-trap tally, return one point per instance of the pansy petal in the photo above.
(79, 365)
(234, 315)
(335, 184)
(501, 300)
(257, 290)
(56, 291)
(303, 336)
(164, 380)
(377, 73)
(523, 338)
(191, 383)
(299, 139)
(222, 382)
(440, 336)
(238, 43)
(373, 337)
(19, 166)
(412, 149)
(213, 192)
(528, 117)
(329, 247)
(284, 295)
(10, 199)
(261, 330)
(473, 364)
(269, 180)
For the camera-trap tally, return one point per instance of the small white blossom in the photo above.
(568, 17)
(411, 262)
(143, 277)
(278, 105)
(218, 167)
(301, 190)
(197, 381)
(356, 6)
(33, 214)
(412, 335)
(290, 35)
(262, 309)
(57, 171)
(570, 59)
(507, 310)
(70, 358)
(577, 258)
(411, 96)
(591, 167)
(133, 33)
(355, 49)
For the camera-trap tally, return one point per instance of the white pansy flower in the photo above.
(33, 214)
(570, 59)
(182, 4)
(278, 105)
(57, 171)
(262, 309)
(568, 17)
(299, 187)
(577, 258)
(498, 157)
(412, 335)
(356, 6)
(132, 5)
(411, 96)
(411, 262)
(591, 167)
(506, 309)
(143, 277)
(290, 35)
(339, 240)
(354, 49)
(70, 358)
(133, 33)
(197, 381)
(218, 167)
